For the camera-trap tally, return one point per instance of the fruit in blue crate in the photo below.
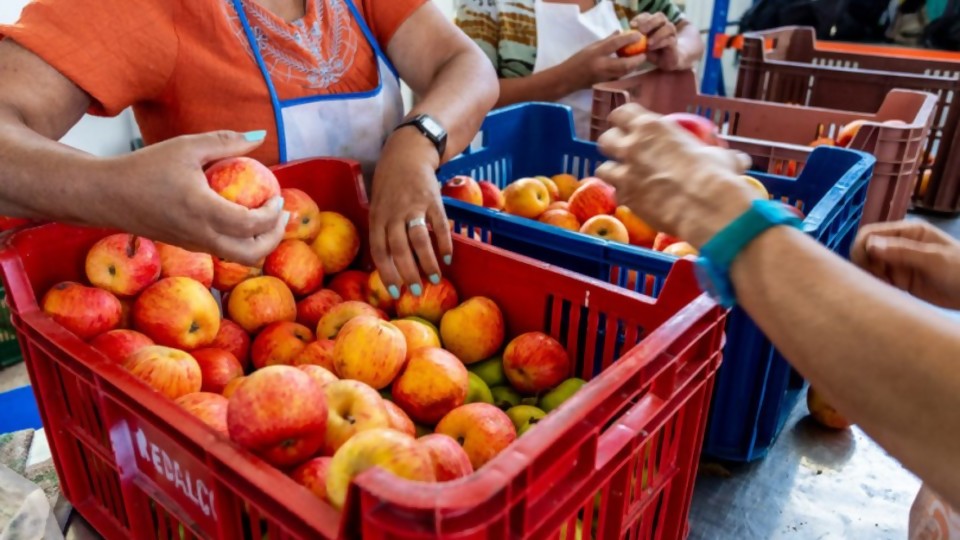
(526, 197)
(639, 233)
(681, 249)
(564, 391)
(607, 228)
(463, 188)
(566, 185)
(593, 198)
(552, 188)
(562, 218)
(757, 186)
(492, 195)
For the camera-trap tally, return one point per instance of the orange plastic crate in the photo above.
(137, 466)
(777, 136)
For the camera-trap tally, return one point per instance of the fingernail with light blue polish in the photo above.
(285, 218)
(280, 203)
(416, 289)
(394, 292)
(435, 279)
(448, 260)
(255, 136)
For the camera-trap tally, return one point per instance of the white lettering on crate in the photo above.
(169, 468)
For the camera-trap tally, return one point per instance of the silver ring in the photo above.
(417, 222)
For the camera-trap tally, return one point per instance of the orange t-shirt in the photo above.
(185, 66)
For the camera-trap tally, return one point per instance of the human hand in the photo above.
(913, 256)
(597, 63)
(161, 193)
(669, 178)
(405, 192)
(663, 49)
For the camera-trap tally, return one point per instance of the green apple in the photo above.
(533, 401)
(554, 398)
(478, 391)
(505, 397)
(491, 371)
(523, 416)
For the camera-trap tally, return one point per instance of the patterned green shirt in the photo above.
(506, 30)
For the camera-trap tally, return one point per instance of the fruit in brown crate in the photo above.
(169, 371)
(117, 345)
(463, 188)
(474, 330)
(232, 386)
(234, 339)
(636, 48)
(757, 186)
(492, 195)
(566, 184)
(524, 417)
(243, 180)
(681, 249)
(481, 429)
(449, 459)
(321, 375)
(593, 198)
(123, 264)
(505, 397)
(304, 221)
(433, 302)
(211, 409)
(280, 414)
(178, 262)
(178, 312)
(352, 407)
(700, 127)
(227, 275)
(560, 218)
(924, 182)
(399, 420)
(337, 243)
(218, 367)
(317, 353)
(606, 227)
(388, 449)
(294, 263)
(377, 294)
(490, 371)
(535, 362)
(340, 314)
(257, 302)
(313, 475)
(477, 390)
(279, 343)
(663, 240)
(350, 285)
(638, 232)
(371, 350)
(824, 413)
(526, 197)
(433, 383)
(557, 396)
(417, 334)
(312, 308)
(849, 132)
(552, 188)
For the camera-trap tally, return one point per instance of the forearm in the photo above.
(881, 357)
(689, 45)
(548, 85)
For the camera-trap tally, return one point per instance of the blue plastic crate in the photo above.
(756, 388)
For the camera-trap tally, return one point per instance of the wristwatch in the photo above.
(713, 265)
(431, 129)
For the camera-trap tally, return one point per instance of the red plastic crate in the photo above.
(777, 136)
(137, 466)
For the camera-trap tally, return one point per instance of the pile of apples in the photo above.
(313, 366)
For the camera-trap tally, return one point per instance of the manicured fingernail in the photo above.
(280, 203)
(448, 260)
(255, 136)
(435, 279)
(394, 292)
(284, 219)
(416, 289)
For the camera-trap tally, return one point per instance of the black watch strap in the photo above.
(431, 129)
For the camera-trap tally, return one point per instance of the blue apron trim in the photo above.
(278, 117)
(330, 97)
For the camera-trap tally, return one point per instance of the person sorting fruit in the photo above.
(280, 80)
(884, 358)
(556, 50)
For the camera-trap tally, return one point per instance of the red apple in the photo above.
(244, 181)
(227, 275)
(234, 339)
(321, 375)
(257, 302)
(218, 368)
(433, 383)
(178, 312)
(312, 308)
(433, 302)
(123, 264)
(85, 311)
(492, 196)
(279, 343)
(353, 407)
(535, 362)
(371, 350)
(701, 128)
(482, 430)
(474, 330)
(592, 198)
(318, 353)
(296, 265)
(313, 475)
(304, 221)
(178, 262)
(450, 460)
(350, 285)
(340, 314)
(377, 294)
(399, 419)
(337, 242)
(463, 188)
(211, 409)
(117, 345)
(171, 372)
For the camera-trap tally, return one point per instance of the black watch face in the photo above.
(432, 127)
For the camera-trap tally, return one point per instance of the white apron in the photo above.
(562, 31)
(352, 126)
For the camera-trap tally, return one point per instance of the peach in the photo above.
(178, 312)
(294, 263)
(594, 197)
(178, 262)
(123, 264)
(663, 241)
(304, 221)
(257, 302)
(280, 414)
(535, 362)
(638, 47)
(606, 227)
(371, 350)
(321, 375)
(559, 205)
(417, 334)
(824, 413)
(526, 197)
(317, 353)
(560, 218)
(492, 196)
(757, 186)
(377, 294)
(218, 368)
(433, 383)
(211, 409)
(434, 301)
(279, 343)
(700, 127)
(227, 275)
(481, 429)
(463, 188)
(681, 249)
(399, 419)
(566, 185)
(313, 475)
(450, 460)
(337, 243)
(243, 180)
(639, 233)
(232, 386)
(234, 340)
(552, 188)
(117, 345)
(352, 407)
(312, 308)
(474, 330)
(171, 372)
(350, 285)
(340, 314)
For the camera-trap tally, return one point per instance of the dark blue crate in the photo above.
(756, 388)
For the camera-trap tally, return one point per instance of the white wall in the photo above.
(100, 136)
